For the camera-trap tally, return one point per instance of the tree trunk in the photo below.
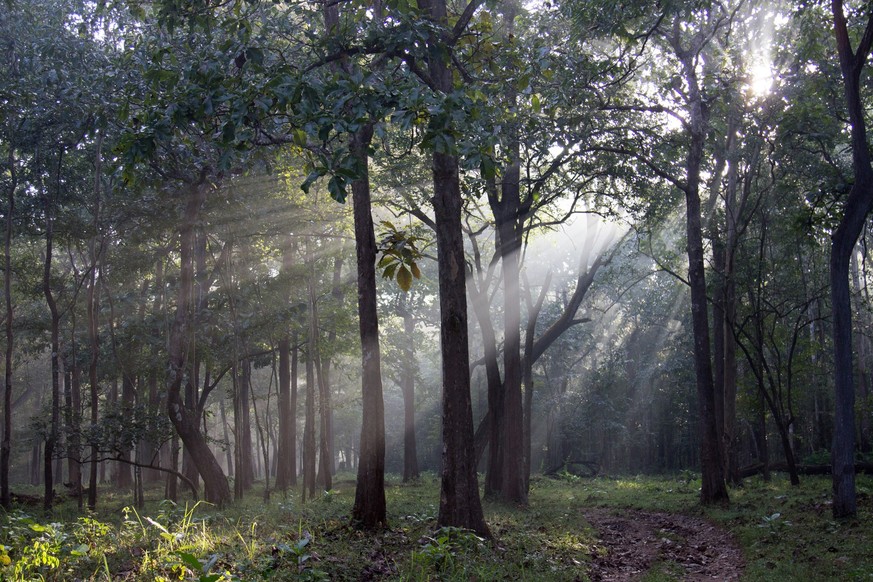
(52, 440)
(187, 422)
(71, 419)
(492, 423)
(309, 466)
(244, 467)
(6, 445)
(713, 489)
(862, 343)
(407, 387)
(128, 397)
(369, 509)
(327, 465)
(460, 505)
(286, 467)
(533, 312)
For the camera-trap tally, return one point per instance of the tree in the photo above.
(459, 491)
(856, 208)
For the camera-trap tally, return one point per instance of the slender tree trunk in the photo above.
(262, 441)
(295, 359)
(285, 452)
(533, 312)
(713, 489)
(6, 446)
(93, 298)
(327, 455)
(492, 423)
(324, 476)
(52, 440)
(228, 455)
(309, 466)
(128, 397)
(286, 468)
(862, 342)
(407, 386)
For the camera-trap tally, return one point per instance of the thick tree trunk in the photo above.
(460, 505)
(187, 422)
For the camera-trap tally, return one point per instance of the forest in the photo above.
(453, 264)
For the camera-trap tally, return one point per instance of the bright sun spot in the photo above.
(760, 78)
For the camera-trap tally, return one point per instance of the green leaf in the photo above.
(190, 560)
(337, 188)
(416, 272)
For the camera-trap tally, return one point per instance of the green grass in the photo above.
(786, 534)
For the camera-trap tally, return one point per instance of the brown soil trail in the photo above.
(632, 542)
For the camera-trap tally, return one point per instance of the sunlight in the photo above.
(760, 78)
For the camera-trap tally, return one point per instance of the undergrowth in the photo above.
(786, 534)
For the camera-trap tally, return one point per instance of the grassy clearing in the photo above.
(786, 533)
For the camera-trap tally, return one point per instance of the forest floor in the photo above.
(650, 529)
(641, 543)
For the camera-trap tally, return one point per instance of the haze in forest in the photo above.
(288, 246)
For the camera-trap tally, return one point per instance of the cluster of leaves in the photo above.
(32, 550)
(400, 255)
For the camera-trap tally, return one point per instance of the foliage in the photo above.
(400, 255)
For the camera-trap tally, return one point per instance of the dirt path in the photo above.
(633, 543)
